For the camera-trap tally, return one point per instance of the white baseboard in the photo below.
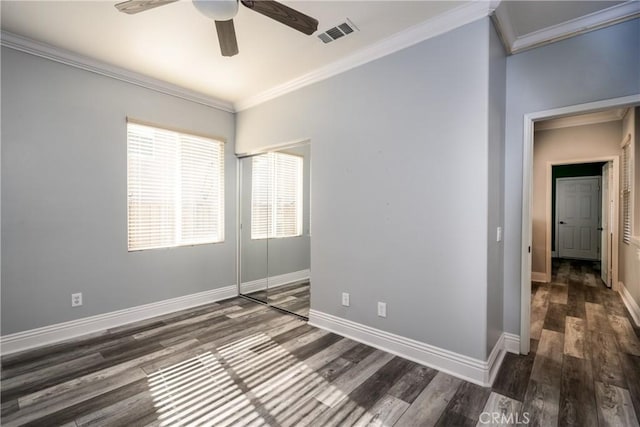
(477, 371)
(32, 338)
(630, 303)
(538, 277)
(275, 281)
(511, 343)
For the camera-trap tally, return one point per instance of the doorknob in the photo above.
(562, 222)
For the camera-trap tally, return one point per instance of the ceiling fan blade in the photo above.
(283, 14)
(136, 6)
(227, 37)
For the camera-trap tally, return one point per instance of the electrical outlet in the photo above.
(345, 299)
(382, 309)
(76, 299)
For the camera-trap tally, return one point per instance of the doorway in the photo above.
(527, 201)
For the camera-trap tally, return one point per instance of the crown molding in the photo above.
(593, 21)
(503, 25)
(23, 44)
(430, 28)
(581, 120)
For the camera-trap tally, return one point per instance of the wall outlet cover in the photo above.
(345, 299)
(76, 299)
(382, 309)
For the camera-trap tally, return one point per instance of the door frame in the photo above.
(527, 196)
(548, 203)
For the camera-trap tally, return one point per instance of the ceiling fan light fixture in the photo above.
(219, 10)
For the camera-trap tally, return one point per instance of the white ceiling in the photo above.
(177, 45)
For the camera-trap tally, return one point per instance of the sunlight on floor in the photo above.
(227, 386)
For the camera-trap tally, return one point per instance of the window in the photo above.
(626, 192)
(276, 196)
(175, 187)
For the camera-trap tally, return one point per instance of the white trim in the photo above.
(275, 281)
(582, 120)
(430, 28)
(25, 340)
(468, 368)
(505, 29)
(537, 276)
(511, 343)
(527, 197)
(630, 303)
(23, 44)
(602, 18)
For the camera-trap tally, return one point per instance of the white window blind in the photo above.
(276, 196)
(626, 193)
(175, 184)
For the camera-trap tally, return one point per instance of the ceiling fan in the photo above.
(223, 11)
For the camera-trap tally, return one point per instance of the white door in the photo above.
(578, 211)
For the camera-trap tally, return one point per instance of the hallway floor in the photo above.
(584, 364)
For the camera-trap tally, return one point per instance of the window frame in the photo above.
(180, 135)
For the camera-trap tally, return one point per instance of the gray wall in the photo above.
(399, 201)
(598, 65)
(64, 205)
(497, 99)
(285, 255)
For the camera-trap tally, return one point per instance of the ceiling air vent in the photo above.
(338, 31)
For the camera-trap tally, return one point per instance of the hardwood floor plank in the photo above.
(559, 293)
(555, 318)
(363, 397)
(385, 412)
(605, 360)
(69, 389)
(123, 412)
(539, 306)
(547, 365)
(428, 407)
(65, 397)
(345, 384)
(628, 342)
(500, 411)
(631, 369)
(577, 397)
(9, 407)
(541, 403)
(576, 300)
(468, 401)
(38, 379)
(513, 378)
(597, 319)
(614, 406)
(574, 337)
(412, 383)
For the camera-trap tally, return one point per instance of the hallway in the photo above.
(584, 364)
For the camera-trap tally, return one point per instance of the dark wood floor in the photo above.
(293, 298)
(584, 365)
(238, 363)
